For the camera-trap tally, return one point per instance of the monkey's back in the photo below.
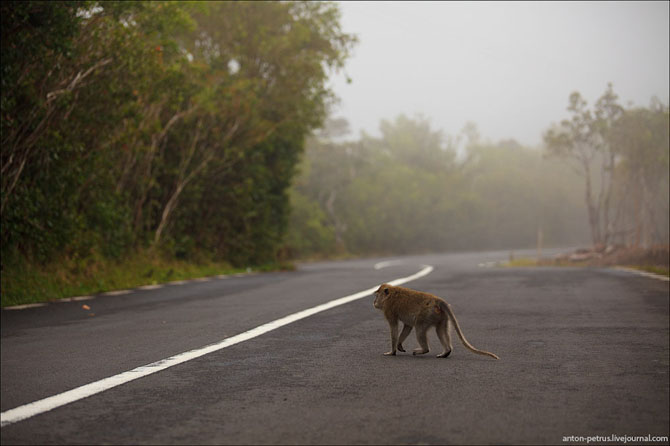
(410, 305)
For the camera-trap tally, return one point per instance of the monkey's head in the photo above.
(381, 295)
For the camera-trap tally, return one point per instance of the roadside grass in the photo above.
(524, 262)
(26, 283)
(660, 270)
(520, 262)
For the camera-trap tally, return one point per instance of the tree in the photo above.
(121, 121)
(261, 89)
(640, 137)
(585, 141)
(406, 193)
(33, 33)
(412, 142)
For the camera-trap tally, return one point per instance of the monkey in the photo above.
(416, 309)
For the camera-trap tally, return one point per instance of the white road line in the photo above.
(116, 293)
(23, 307)
(386, 263)
(79, 298)
(643, 273)
(52, 402)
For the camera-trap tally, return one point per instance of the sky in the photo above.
(509, 67)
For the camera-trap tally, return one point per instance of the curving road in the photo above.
(584, 352)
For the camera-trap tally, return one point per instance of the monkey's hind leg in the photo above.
(421, 337)
(445, 338)
(394, 338)
(403, 335)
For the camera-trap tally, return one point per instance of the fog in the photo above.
(507, 66)
(206, 133)
(477, 125)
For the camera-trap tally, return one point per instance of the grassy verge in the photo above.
(660, 270)
(520, 262)
(528, 262)
(25, 283)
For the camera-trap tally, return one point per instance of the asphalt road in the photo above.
(584, 352)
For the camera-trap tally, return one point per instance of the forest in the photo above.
(137, 124)
(600, 180)
(203, 133)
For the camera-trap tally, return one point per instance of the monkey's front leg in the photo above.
(394, 338)
(422, 339)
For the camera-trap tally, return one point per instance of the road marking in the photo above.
(79, 298)
(386, 263)
(116, 293)
(44, 405)
(643, 273)
(23, 307)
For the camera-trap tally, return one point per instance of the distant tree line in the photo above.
(158, 124)
(601, 179)
(412, 191)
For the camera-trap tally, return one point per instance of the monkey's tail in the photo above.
(447, 309)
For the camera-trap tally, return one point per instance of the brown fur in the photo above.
(416, 309)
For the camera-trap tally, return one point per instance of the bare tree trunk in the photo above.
(647, 220)
(592, 209)
(637, 216)
(608, 172)
(183, 179)
(339, 226)
(156, 141)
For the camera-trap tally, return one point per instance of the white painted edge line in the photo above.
(643, 273)
(44, 405)
(80, 298)
(116, 293)
(23, 307)
(386, 263)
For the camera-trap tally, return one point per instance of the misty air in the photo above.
(306, 222)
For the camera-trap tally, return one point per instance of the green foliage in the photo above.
(170, 125)
(408, 192)
(310, 234)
